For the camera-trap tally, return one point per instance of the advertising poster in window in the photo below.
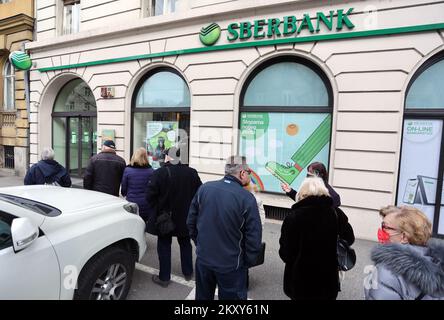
(280, 146)
(418, 176)
(160, 135)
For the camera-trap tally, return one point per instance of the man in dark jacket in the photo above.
(224, 223)
(48, 171)
(105, 170)
(171, 188)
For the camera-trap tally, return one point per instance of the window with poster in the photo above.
(420, 181)
(161, 115)
(285, 121)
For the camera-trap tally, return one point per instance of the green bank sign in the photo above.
(285, 26)
(20, 60)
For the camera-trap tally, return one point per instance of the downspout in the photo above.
(27, 101)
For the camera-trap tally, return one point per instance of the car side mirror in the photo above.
(23, 233)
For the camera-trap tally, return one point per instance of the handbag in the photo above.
(261, 257)
(346, 254)
(164, 221)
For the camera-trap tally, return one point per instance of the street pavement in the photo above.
(265, 280)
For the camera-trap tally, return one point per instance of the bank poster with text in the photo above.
(418, 176)
(280, 146)
(160, 135)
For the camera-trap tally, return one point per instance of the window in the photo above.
(71, 16)
(285, 121)
(160, 7)
(161, 115)
(5, 230)
(420, 181)
(9, 87)
(9, 157)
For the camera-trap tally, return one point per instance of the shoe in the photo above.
(286, 174)
(188, 277)
(161, 283)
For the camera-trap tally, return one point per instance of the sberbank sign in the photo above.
(288, 25)
(285, 26)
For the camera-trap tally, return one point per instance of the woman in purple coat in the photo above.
(135, 181)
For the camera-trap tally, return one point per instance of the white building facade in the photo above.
(357, 85)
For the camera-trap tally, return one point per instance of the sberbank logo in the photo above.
(20, 60)
(210, 34)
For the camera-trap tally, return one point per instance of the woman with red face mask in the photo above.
(408, 265)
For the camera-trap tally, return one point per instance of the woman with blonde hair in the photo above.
(308, 244)
(135, 181)
(408, 265)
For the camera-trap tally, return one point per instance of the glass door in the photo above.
(73, 145)
(82, 144)
(88, 126)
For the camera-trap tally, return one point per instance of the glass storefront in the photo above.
(420, 183)
(75, 126)
(285, 122)
(161, 115)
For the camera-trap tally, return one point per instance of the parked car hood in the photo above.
(67, 200)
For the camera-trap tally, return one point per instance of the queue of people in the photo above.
(225, 218)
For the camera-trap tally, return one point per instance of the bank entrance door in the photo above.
(74, 127)
(82, 142)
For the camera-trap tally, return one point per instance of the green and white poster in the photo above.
(418, 175)
(160, 135)
(280, 146)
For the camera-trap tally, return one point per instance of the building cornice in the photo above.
(175, 20)
(17, 23)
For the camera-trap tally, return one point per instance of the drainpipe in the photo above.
(27, 101)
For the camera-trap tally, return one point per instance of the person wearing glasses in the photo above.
(224, 223)
(315, 169)
(409, 265)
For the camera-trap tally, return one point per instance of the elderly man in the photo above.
(48, 171)
(105, 170)
(224, 223)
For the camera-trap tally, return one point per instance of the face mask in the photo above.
(383, 236)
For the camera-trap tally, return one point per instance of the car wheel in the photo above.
(107, 276)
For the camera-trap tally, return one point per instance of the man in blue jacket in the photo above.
(48, 171)
(225, 225)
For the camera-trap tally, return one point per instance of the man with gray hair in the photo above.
(48, 171)
(225, 225)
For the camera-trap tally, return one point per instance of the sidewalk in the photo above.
(352, 284)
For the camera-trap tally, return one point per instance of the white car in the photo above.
(65, 243)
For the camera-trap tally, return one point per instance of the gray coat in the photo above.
(404, 272)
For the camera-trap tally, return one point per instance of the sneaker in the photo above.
(161, 283)
(286, 174)
(188, 277)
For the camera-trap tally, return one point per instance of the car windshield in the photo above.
(38, 207)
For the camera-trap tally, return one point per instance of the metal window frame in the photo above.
(180, 110)
(292, 109)
(68, 115)
(8, 89)
(426, 114)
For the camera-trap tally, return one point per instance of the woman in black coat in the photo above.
(308, 244)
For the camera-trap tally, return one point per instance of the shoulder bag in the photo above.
(346, 254)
